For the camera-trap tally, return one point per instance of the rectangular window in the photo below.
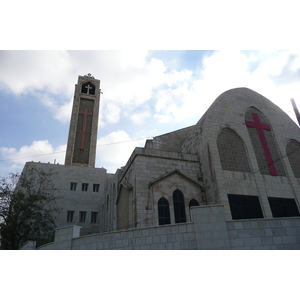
(70, 216)
(283, 207)
(84, 187)
(82, 216)
(244, 207)
(96, 187)
(94, 215)
(73, 186)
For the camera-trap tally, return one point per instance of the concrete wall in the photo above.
(265, 234)
(208, 231)
(78, 200)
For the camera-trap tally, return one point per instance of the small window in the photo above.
(94, 215)
(82, 216)
(163, 212)
(84, 187)
(283, 207)
(244, 207)
(73, 186)
(70, 216)
(96, 187)
(179, 208)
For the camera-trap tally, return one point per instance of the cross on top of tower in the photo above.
(89, 75)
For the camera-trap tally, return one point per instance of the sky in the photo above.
(145, 94)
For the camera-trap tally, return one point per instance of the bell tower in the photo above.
(82, 140)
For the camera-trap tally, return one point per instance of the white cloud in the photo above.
(274, 76)
(109, 113)
(114, 149)
(140, 118)
(38, 151)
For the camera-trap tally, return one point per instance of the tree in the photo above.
(27, 209)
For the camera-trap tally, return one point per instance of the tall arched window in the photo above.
(179, 207)
(232, 151)
(264, 143)
(163, 212)
(293, 154)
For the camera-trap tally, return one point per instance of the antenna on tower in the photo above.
(296, 110)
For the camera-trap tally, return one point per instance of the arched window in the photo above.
(232, 151)
(179, 208)
(193, 202)
(107, 202)
(163, 212)
(293, 154)
(88, 88)
(264, 143)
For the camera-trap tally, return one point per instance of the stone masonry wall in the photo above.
(208, 231)
(265, 234)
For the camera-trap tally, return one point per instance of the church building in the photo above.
(231, 181)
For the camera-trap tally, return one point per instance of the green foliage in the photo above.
(27, 209)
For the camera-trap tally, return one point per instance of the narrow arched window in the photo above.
(163, 212)
(193, 202)
(232, 151)
(179, 207)
(293, 154)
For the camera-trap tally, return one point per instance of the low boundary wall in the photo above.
(208, 231)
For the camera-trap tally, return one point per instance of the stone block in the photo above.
(169, 246)
(182, 228)
(236, 242)
(193, 245)
(289, 240)
(149, 240)
(158, 239)
(232, 234)
(295, 222)
(100, 245)
(174, 229)
(296, 246)
(238, 225)
(178, 237)
(268, 232)
(230, 225)
(137, 233)
(140, 241)
(188, 236)
(267, 240)
(177, 246)
(171, 238)
(254, 241)
(112, 244)
(244, 233)
(273, 223)
(285, 247)
(258, 232)
(277, 240)
(291, 231)
(184, 245)
(279, 231)
(154, 247)
(261, 247)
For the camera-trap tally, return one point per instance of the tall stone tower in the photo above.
(82, 140)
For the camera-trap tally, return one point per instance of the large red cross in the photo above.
(85, 114)
(260, 127)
